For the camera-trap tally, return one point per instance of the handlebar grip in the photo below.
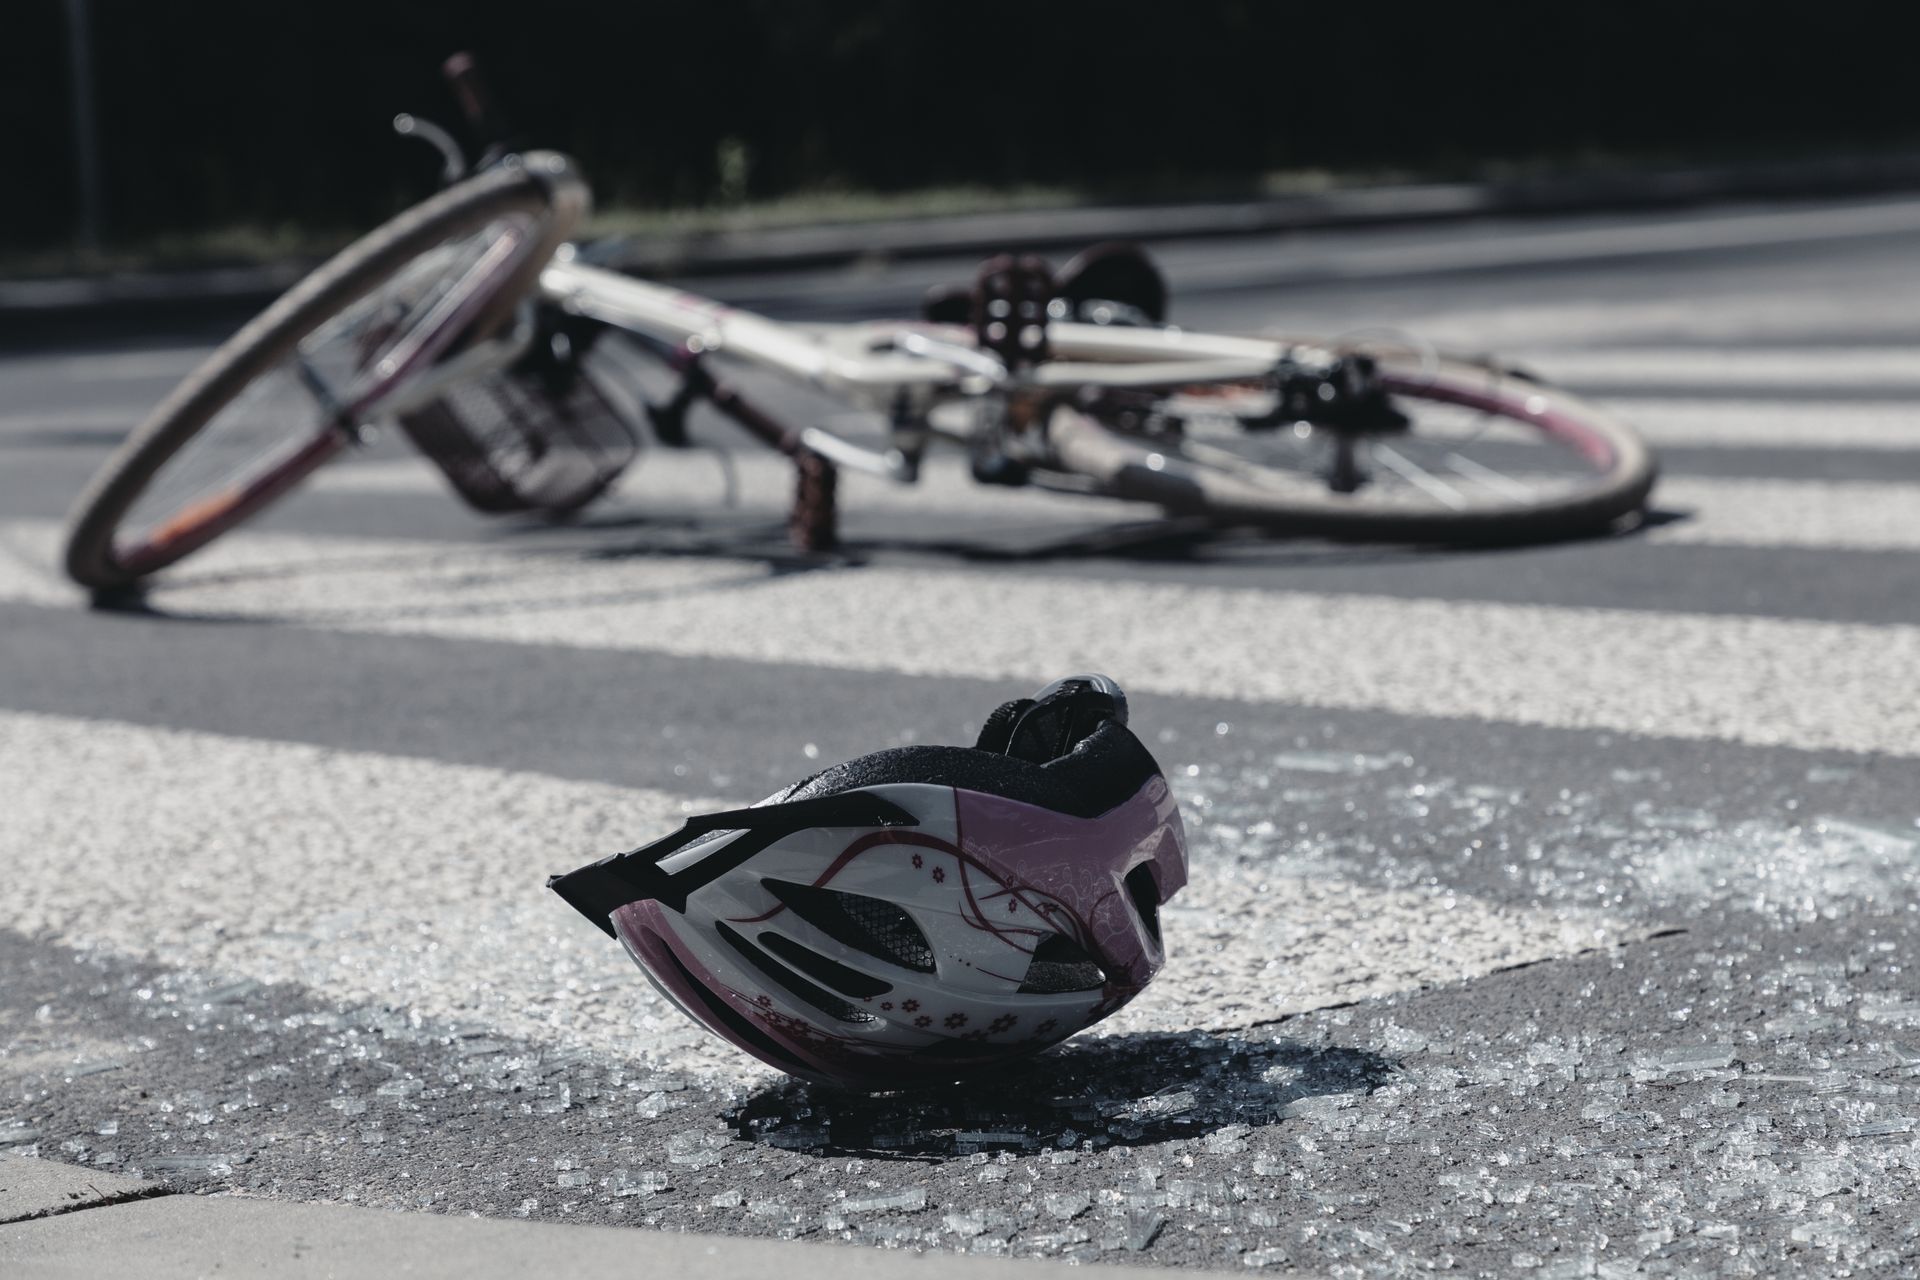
(470, 90)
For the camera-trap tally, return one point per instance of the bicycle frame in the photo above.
(1086, 354)
(1015, 370)
(903, 368)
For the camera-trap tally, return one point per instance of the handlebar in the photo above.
(453, 164)
(483, 118)
(967, 359)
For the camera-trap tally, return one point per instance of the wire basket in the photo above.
(524, 440)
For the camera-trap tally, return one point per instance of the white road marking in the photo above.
(1851, 515)
(1250, 947)
(1733, 309)
(1771, 424)
(1520, 245)
(1595, 370)
(1715, 423)
(72, 420)
(380, 879)
(108, 366)
(1764, 681)
(697, 480)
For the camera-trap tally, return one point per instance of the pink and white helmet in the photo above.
(918, 913)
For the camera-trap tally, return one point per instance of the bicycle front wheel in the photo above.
(1486, 456)
(288, 391)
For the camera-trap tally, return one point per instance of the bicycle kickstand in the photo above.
(813, 524)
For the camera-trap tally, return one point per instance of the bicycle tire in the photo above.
(1129, 465)
(542, 187)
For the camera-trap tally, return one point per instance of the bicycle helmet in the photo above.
(919, 913)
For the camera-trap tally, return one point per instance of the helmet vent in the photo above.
(1146, 897)
(872, 925)
(824, 969)
(820, 998)
(723, 1013)
(1060, 965)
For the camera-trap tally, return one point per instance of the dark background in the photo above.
(224, 111)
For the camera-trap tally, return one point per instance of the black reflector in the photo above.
(866, 924)
(1146, 897)
(1059, 965)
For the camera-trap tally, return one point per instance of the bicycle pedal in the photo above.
(1010, 299)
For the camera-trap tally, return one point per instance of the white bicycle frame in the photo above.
(875, 360)
(883, 365)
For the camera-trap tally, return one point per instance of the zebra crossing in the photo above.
(1554, 936)
(1631, 671)
(1862, 515)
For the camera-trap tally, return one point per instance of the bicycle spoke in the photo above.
(1419, 477)
(316, 384)
(1504, 485)
(402, 323)
(1224, 460)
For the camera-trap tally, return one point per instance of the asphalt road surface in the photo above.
(1553, 911)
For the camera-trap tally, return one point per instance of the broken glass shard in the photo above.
(1702, 1057)
(1067, 1205)
(909, 1200)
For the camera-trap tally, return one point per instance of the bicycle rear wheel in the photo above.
(1487, 456)
(289, 391)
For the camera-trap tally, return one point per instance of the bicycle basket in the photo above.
(519, 440)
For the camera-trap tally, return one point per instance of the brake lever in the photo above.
(966, 358)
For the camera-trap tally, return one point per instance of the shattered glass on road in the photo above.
(1672, 1073)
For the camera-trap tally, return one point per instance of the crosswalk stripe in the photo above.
(1552, 245)
(1770, 424)
(1664, 420)
(433, 892)
(1711, 424)
(762, 481)
(1842, 515)
(110, 366)
(1677, 423)
(55, 420)
(1597, 368)
(1743, 679)
(1852, 515)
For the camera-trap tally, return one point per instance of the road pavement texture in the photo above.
(1551, 907)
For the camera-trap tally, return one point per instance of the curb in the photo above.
(158, 1236)
(215, 292)
(718, 253)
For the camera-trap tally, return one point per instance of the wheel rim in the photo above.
(305, 406)
(1478, 443)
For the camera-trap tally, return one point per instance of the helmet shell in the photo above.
(984, 879)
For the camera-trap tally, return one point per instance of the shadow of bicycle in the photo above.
(1169, 541)
(1126, 1090)
(757, 545)
(992, 538)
